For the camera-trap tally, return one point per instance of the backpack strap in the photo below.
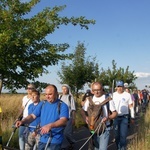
(58, 106)
(60, 96)
(106, 100)
(69, 97)
(90, 100)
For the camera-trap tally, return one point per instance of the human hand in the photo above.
(18, 124)
(132, 121)
(104, 119)
(34, 134)
(45, 129)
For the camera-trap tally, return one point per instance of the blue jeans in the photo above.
(21, 138)
(101, 141)
(41, 146)
(121, 131)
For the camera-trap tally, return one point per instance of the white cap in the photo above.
(126, 85)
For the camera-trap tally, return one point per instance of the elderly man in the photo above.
(109, 112)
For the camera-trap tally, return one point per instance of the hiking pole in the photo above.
(49, 141)
(14, 130)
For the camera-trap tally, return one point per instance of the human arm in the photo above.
(131, 108)
(26, 120)
(112, 112)
(73, 116)
(113, 115)
(84, 116)
(110, 117)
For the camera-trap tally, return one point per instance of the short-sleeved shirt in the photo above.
(122, 102)
(69, 101)
(36, 122)
(98, 100)
(49, 113)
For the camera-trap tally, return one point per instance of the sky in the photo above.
(121, 33)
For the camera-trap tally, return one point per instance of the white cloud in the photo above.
(142, 74)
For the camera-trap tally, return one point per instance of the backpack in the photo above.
(94, 116)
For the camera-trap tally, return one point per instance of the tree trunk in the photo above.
(1, 83)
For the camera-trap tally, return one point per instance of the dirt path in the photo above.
(82, 135)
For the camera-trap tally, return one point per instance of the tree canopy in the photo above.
(80, 71)
(25, 51)
(83, 70)
(107, 76)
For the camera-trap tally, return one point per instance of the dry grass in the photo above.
(11, 105)
(142, 140)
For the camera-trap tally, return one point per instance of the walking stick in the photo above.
(14, 130)
(49, 141)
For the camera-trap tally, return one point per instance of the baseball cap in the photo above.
(120, 83)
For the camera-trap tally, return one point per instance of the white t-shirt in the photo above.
(25, 104)
(98, 100)
(122, 102)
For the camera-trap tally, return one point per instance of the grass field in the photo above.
(11, 106)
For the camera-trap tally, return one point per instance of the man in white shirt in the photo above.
(124, 104)
(100, 141)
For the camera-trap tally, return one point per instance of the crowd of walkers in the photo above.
(48, 124)
(128, 104)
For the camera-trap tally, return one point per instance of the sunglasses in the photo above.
(29, 88)
(97, 90)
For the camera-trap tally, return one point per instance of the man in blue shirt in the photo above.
(53, 119)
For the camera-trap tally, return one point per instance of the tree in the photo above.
(80, 71)
(107, 76)
(25, 51)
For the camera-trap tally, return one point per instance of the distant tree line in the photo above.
(84, 70)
